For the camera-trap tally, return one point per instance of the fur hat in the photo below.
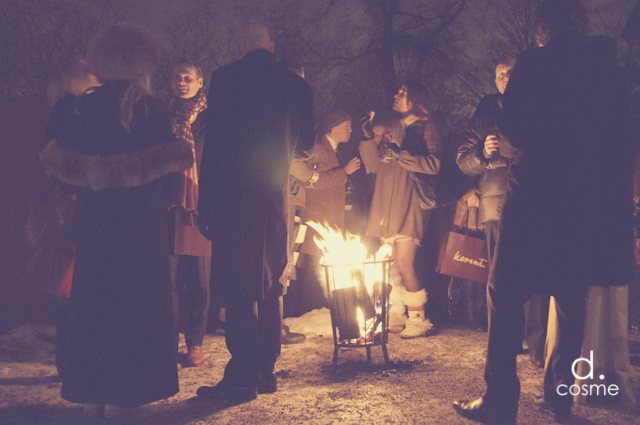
(123, 52)
(334, 119)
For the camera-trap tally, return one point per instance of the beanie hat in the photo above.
(334, 119)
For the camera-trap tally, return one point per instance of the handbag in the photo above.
(425, 190)
(186, 238)
(464, 256)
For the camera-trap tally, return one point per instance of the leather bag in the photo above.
(187, 239)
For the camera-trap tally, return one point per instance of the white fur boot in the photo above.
(397, 315)
(417, 325)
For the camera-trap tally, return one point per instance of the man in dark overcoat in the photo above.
(567, 224)
(259, 115)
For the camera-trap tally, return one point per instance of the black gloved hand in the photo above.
(367, 125)
(389, 150)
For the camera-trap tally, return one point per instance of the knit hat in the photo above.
(334, 119)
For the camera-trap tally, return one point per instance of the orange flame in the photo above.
(343, 253)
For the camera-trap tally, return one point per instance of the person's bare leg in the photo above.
(404, 253)
(414, 297)
(397, 309)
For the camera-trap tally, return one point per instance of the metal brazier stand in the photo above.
(350, 298)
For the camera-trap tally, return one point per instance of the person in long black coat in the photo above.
(259, 114)
(117, 147)
(568, 223)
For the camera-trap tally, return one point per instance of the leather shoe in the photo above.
(195, 356)
(480, 410)
(561, 412)
(267, 383)
(287, 337)
(223, 392)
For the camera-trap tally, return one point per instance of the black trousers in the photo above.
(505, 338)
(534, 313)
(492, 231)
(536, 316)
(252, 333)
(190, 288)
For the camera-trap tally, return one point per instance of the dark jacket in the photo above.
(493, 181)
(120, 347)
(569, 220)
(259, 113)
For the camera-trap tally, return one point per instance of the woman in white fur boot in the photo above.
(410, 149)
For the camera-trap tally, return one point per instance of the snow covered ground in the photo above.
(426, 375)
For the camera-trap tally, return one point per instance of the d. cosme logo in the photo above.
(584, 389)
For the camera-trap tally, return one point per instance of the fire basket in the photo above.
(358, 290)
(359, 301)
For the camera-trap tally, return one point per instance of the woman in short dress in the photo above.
(410, 145)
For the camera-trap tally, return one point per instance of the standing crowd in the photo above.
(205, 199)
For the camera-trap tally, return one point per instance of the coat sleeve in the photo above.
(300, 168)
(306, 139)
(430, 162)
(470, 157)
(330, 176)
(214, 124)
(369, 155)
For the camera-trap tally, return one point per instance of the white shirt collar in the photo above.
(334, 144)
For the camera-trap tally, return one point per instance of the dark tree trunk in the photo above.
(388, 9)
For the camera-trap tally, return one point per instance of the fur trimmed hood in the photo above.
(116, 171)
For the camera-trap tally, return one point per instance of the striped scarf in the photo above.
(183, 113)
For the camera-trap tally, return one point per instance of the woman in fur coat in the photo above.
(396, 216)
(115, 150)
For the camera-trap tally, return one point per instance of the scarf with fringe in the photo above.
(183, 113)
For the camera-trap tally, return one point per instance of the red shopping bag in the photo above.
(465, 257)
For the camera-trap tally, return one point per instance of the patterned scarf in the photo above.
(183, 113)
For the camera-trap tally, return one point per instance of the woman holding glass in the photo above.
(410, 145)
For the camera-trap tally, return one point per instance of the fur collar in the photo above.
(117, 171)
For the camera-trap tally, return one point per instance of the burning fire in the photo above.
(354, 267)
(366, 326)
(347, 251)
